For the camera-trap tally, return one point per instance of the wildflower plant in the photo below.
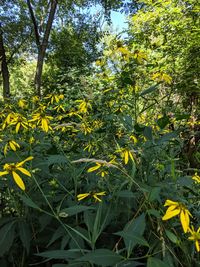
(13, 168)
(104, 160)
(176, 208)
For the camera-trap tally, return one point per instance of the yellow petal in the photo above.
(101, 193)
(98, 199)
(170, 214)
(185, 220)
(170, 202)
(82, 196)
(22, 162)
(3, 173)
(45, 126)
(171, 208)
(17, 127)
(131, 156)
(126, 157)
(12, 146)
(24, 171)
(18, 180)
(5, 149)
(94, 168)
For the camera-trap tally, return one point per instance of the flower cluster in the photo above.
(177, 208)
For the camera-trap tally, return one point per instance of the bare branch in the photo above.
(95, 161)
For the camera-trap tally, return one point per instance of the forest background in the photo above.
(100, 132)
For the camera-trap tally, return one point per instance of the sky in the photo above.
(118, 19)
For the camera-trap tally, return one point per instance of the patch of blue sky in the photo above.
(118, 19)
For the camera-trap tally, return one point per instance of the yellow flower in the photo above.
(133, 138)
(85, 128)
(94, 168)
(98, 165)
(82, 196)
(42, 120)
(20, 122)
(103, 173)
(35, 99)
(195, 236)
(125, 154)
(88, 147)
(8, 120)
(196, 178)
(53, 98)
(11, 168)
(162, 77)
(140, 56)
(59, 108)
(61, 96)
(22, 103)
(96, 124)
(74, 113)
(12, 145)
(91, 194)
(31, 140)
(176, 208)
(84, 106)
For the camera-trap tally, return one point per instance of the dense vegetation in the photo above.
(100, 134)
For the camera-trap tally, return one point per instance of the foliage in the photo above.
(88, 169)
(172, 46)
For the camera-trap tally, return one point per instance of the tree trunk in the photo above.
(42, 44)
(4, 67)
(39, 68)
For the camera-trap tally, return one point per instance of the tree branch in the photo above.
(37, 36)
(49, 22)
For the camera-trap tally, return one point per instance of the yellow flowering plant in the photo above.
(177, 208)
(195, 236)
(196, 178)
(95, 195)
(13, 168)
(11, 144)
(112, 114)
(42, 120)
(126, 154)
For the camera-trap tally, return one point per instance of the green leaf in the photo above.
(148, 133)
(154, 213)
(167, 137)
(154, 262)
(163, 122)
(185, 181)
(139, 128)
(137, 239)
(154, 194)
(57, 159)
(172, 237)
(102, 257)
(25, 235)
(149, 90)
(7, 234)
(29, 202)
(44, 220)
(125, 193)
(130, 263)
(58, 233)
(182, 116)
(134, 228)
(61, 254)
(74, 210)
